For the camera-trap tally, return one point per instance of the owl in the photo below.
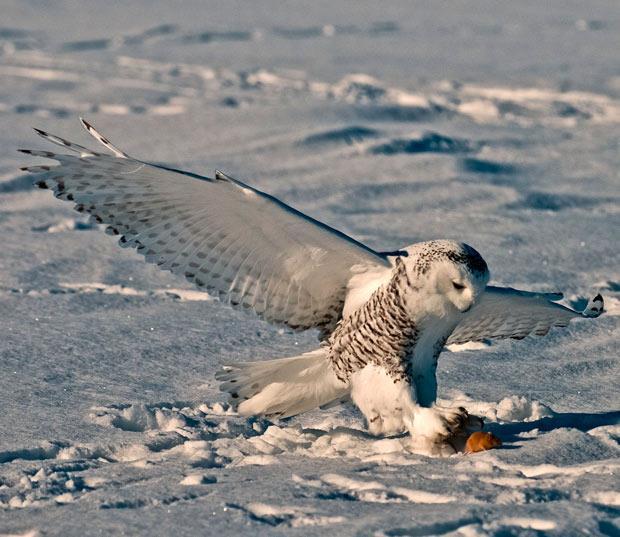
(383, 318)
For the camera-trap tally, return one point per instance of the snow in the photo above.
(492, 124)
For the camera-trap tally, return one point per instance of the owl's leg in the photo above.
(434, 423)
(388, 404)
(390, 407)
(425, 383)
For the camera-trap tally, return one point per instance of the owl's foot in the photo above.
(440, 422)
(440, 430)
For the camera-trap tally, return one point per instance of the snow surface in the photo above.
(492, 123)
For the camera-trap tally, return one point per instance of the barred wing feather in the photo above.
(251, 249)
(503, 312)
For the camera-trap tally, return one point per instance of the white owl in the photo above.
(384, 318)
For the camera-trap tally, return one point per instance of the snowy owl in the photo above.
(383, 317)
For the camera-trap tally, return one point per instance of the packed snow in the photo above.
(493, 124)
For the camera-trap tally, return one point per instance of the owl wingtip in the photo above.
(595, 307)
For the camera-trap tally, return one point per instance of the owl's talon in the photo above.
(439, 425)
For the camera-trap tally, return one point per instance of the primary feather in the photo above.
(250, 248)
(503, 312)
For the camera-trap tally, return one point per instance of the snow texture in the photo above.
(491, 123)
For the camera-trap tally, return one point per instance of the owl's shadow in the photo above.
(509, 432)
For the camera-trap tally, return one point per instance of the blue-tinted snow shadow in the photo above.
(509, 432)
(487, 167)
(429, 142)
(347, 135)
(437, 528)
(21, 183)
(554, 202)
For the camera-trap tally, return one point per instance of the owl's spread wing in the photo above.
(503, 312)
(246, 246)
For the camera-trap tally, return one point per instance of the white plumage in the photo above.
(383, 318)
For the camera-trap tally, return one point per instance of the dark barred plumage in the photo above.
(380, 332)
(435, 250)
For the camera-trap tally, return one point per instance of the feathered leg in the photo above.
(391, 407)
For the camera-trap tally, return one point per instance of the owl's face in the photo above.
(448, 276)
(457, 284)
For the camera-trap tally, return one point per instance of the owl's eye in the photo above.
(458, 286)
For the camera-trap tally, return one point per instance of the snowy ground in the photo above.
(495, 124)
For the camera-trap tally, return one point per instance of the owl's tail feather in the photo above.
(283, 387)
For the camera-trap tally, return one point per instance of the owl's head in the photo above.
(449, 274)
